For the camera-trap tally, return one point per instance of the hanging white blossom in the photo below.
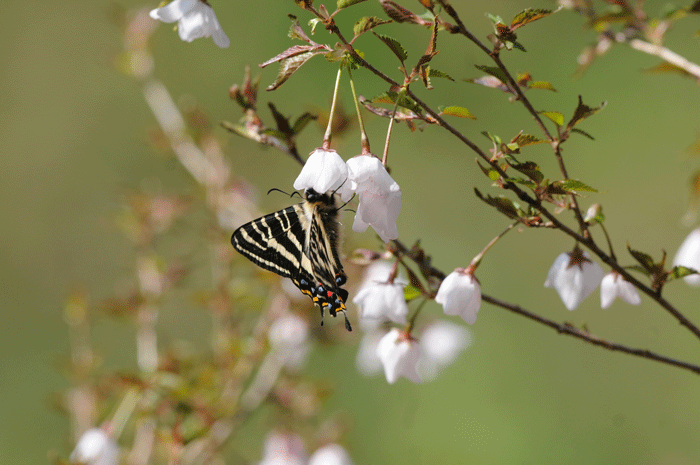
(195, 19)
(574, 276)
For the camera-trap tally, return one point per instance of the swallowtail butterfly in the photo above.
(300, 243)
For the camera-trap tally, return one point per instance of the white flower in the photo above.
(460, 294)
(688, 255)
(367, 361)
(283, 449)
(614, 285)
(195, 19)
(332, 454)
(399, 354)
(382, 300)
(325, 171)
(95, 447)
(380, 197)
(288, 336)
(574, 276)
(440, 344)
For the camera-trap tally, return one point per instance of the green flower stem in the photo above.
(327, 136)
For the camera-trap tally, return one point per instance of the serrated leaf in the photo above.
(289, 66)
(291, 52)
(410, 293)
(523, 140)
(459, 112)
(582, 112)
(517, 45)
(541, 85)
(680, 272)
(529, 169)
(529, 15)
(435, 73)
(493, 71)
(394, 45)
(391, 98)
(367, 24)
(644, 259)
(556, 117)
(346, 3)
(502, 204)
(573, 185)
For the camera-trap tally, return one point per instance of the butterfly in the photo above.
(301, 243)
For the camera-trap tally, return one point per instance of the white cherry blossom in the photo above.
(195, 19)
(380, 196)
(614, 285)
(283, 449)
(574, 276)
(688, 255)
(331, 454)
(440, 345)
(399, 355)
(325, 171)
(382, 300)
(460, 294)
(95, 447)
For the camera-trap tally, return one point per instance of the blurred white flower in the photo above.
(288, 336)
(332, 454)
(399, 355)
(367, 361)
(460, 294)
(613, 285)
(574, 276)
(95, 447)
(380, 196)
(688, 255)
(325, 171)
(382, 300)
(196, 19)
(440, 344)
(283, 449)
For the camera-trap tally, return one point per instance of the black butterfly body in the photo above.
(300, 243)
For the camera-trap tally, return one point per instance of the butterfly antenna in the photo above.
(341, 207)
(285, 193)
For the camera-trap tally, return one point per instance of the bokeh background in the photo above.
(74, 141)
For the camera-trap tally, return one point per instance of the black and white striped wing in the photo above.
(322, 252)
(276, 242)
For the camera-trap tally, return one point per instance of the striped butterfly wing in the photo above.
(276, 243)
(299, 242)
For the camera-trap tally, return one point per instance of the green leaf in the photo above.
(346, 3)
(502, 204)
(494, 138)
(556, 117)
(435, 73)
(680, 272)
(394, 45)
(459, 112)
(367, 24)
(493, 71)
(491, 173)
(495, 19)
(391, 98)
(523, 140)
(529, 169)
(541, 85)
(296, 32)
(573, 185)
(410, 292)
(302, 121)
(644, 259)
(582, 112)
(529, 15)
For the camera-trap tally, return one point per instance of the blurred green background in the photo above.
(73, 132)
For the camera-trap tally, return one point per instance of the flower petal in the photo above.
(173, 11)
